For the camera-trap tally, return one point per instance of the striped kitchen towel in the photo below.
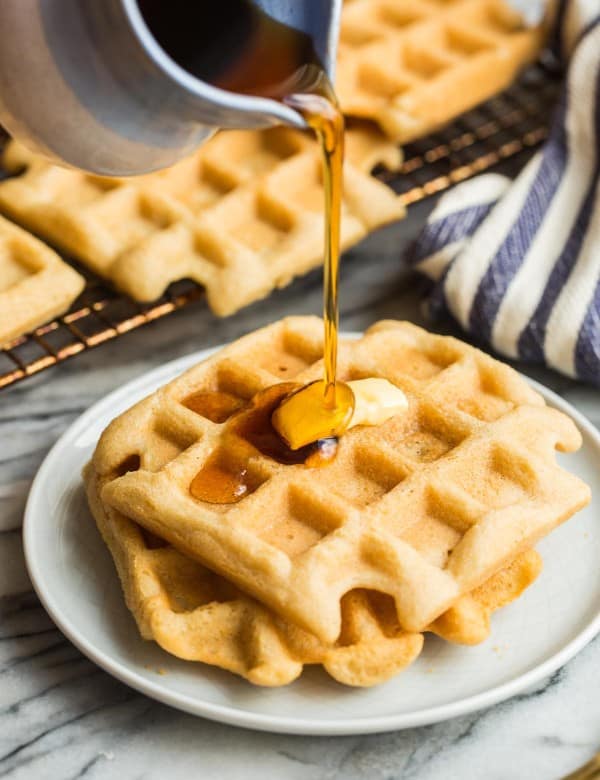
(517, 263)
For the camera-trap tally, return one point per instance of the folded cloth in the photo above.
(517, 263)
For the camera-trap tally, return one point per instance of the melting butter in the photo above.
(375, 401)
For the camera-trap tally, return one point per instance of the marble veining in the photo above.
(62, 717)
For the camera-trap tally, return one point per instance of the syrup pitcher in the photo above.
(123, 87)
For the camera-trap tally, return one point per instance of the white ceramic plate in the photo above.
(74, 577)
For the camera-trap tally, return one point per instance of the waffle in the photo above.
(424, 508)
(241, 216)
(467, 622)
(412, 66)
(199, 616)
(35, 284)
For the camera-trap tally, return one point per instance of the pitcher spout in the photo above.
(113, 99)
(233, 61)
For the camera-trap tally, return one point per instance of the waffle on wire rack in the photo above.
(241, 216)
(413, 66)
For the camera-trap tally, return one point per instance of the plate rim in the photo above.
(229, 714)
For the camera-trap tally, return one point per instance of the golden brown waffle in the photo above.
(35, 284)
(467, 622)
(424, 508)
(241, 216)
(199, 616)
(413, 65)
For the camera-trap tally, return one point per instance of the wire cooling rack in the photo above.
(498, 129)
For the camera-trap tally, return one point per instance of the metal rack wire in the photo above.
(504, 126)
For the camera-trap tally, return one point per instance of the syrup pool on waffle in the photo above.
(280, 431)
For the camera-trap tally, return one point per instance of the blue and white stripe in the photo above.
(518, 263)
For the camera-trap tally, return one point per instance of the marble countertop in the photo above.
(62, 717)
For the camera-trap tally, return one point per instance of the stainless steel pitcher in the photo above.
(85, 83)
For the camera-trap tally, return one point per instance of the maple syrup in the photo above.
(227, 477)
(302, 417)
(236, 46)
(323, 114)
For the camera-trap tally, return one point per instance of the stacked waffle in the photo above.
(425, 523)
(243, 215)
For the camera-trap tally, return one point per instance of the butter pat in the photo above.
(375, 401)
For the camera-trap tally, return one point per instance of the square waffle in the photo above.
(199, 616)
(35, 284)
(414, 65)
(241, 216)
(424, 508)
